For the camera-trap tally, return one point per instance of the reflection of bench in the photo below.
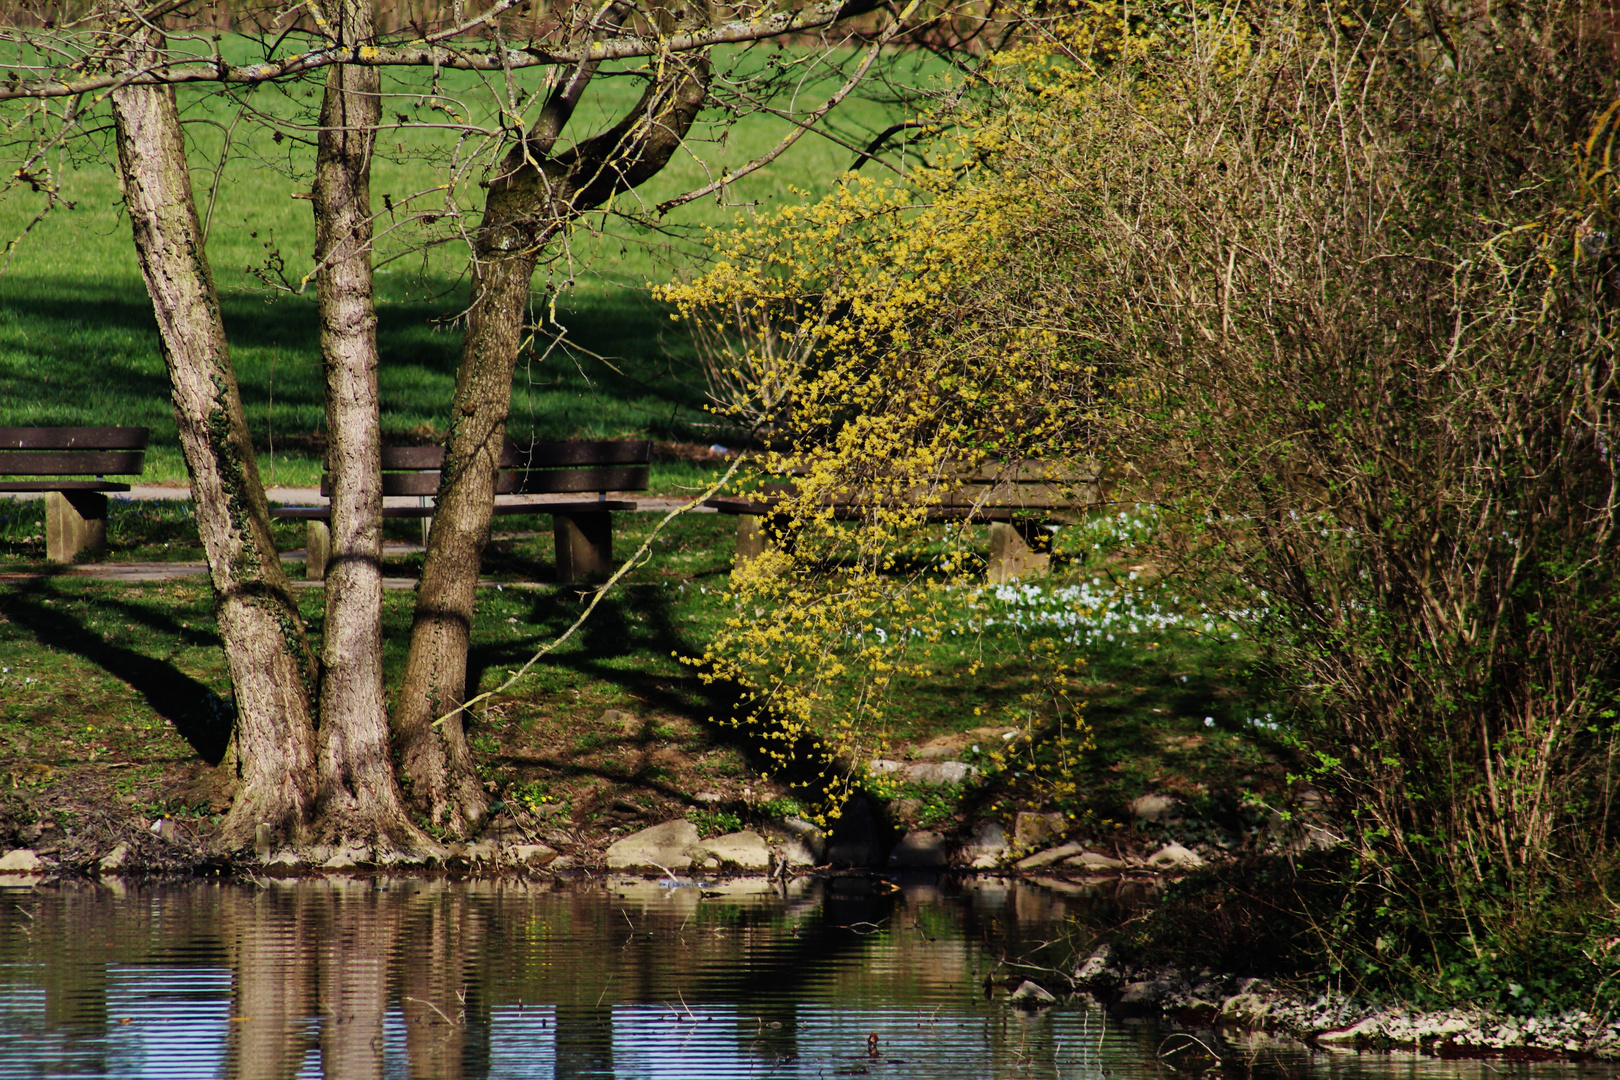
(1019, 502)
(75, 510)
(583, 527)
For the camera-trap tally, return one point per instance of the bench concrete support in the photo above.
(584, 544)
(317, 548)
(75, 523)
(751, 540)
(1018, 550)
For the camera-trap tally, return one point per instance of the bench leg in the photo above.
(584, 544)
(751, 541)
(756, 533)
(317, 549)
(75, 523)
(1018, 550)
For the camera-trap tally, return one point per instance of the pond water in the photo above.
(397, 977)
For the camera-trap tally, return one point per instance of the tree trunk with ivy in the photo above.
(533, 196)
(271, 666)
(359, 800)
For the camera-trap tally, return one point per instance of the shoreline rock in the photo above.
(1333, 1021)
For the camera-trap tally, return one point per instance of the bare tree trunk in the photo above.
(271, 666)
(529, 201)
(358, 795)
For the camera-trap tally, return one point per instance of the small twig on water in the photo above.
(435, 1008)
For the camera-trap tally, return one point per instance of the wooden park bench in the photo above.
(75, 510)
(1019, 502)
(583, 527)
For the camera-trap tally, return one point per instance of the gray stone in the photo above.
(905, 811)
(561, 863)
(1153, 807)
(532, 854)
(884, 766)
(1050, 856)
(1030, 995)
(1094, 965)
(21, 861)
(484, 851)
(744, 850)
(661, 847)
(347, 858)
(1091, 860)
(1032, 830)
(797, 842)
(1175, 857)
(1367, 1029)
(263, 840)
(1245, 1008)
(119, 858)
(167, 828)
(708, 798)
(990, 837)
(987, 848)
(939, 772)
(921, 848)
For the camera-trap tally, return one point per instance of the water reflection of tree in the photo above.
(444, 1004)
(328, 968)
(268, 935)
(315, 965)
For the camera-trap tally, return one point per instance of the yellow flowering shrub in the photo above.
(886, 342)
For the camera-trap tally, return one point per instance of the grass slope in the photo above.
(78, 346)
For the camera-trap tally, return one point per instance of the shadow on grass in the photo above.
(639, 621)
(199, 715)
(89, 354)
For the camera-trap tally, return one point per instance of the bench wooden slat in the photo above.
(324, 513)
(529, 482)
(73, 438)
(71, 462)
(62, 485)
(1030, 496)
(561, 455)
(1001, 472)
(539, 455)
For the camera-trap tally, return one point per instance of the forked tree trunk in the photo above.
(359, 800)
(530, 200)
(272, 669)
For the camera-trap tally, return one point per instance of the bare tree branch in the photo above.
(430, 54)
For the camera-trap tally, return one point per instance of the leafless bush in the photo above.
(1361, 268)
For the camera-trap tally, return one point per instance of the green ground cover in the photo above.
(129, 672)
(77, 344)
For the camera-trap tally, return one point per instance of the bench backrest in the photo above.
(72, 451)
(991, 485)
(538, 468)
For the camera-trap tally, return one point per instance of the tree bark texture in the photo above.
(271, 666)
(533, 196)
(358, 797)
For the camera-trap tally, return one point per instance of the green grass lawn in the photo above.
(614, 715)
(78, 346)
(137, 664)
